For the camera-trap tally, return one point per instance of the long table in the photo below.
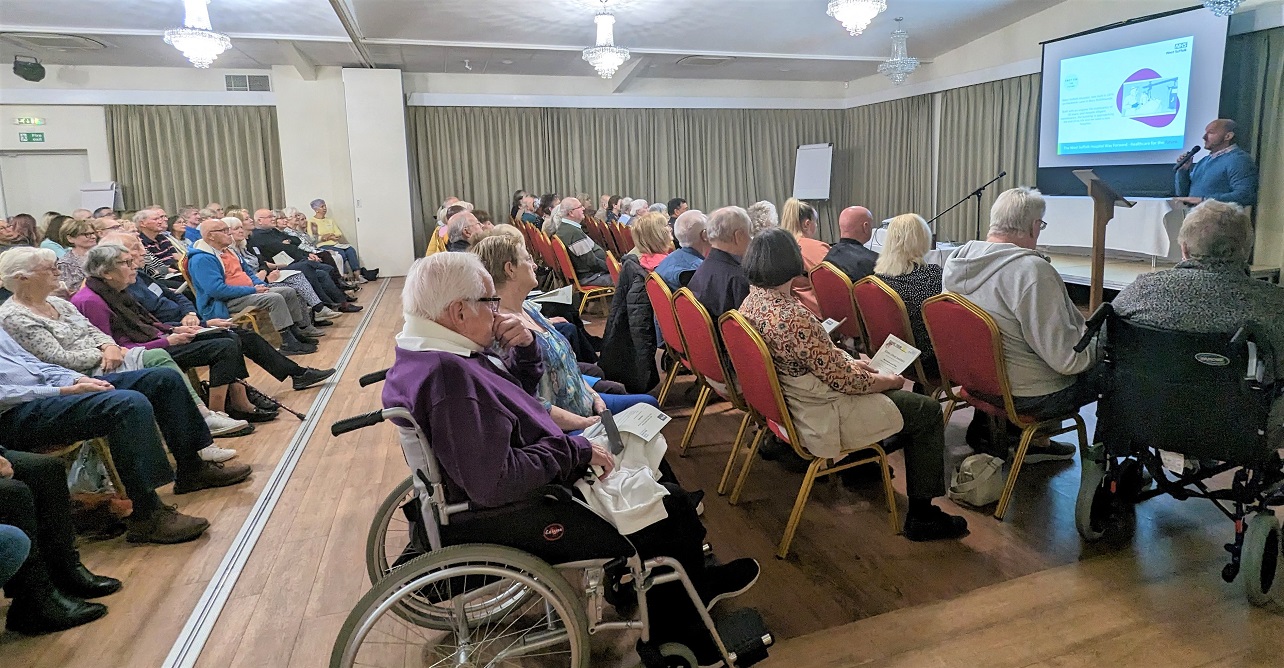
(1149, 227)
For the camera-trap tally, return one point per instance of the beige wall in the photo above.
(66, 128)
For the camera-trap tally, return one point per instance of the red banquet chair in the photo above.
(883, 314)
(662, 304)
(589, 292)
(701, 343)
(760, 388)
(969, 352)
(834, 294)
(613, 267)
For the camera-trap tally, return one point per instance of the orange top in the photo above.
(233, 272)
(813, 253)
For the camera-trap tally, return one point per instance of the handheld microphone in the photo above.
(1187, 157)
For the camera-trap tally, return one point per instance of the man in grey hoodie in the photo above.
(1040, 325)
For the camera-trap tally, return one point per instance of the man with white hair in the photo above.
(81, 214)
(721, 283)
(635, 208)
(588, 258)
(1040, 325)
(446, 376)
(678, 267)
(215, 209)
(223, 286)
(461, 228)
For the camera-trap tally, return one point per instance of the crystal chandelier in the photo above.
(855, 15)
(900, 65)
(1222, 7)
(196, 39)
(606, 57)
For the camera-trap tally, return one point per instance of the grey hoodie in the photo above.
(1028, 300)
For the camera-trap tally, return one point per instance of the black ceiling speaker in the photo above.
(28, 68)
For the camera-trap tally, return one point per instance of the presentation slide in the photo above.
(1128, 99)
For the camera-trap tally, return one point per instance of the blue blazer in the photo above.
(1231, 177)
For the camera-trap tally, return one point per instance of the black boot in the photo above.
(293, 346)
(369, 274)
(76, 580)
(51, 612)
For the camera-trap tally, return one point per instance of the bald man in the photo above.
(855, 228)
(462, 227)
(1228, 174)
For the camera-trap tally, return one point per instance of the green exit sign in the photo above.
(31, 137)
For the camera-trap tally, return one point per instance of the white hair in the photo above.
(638, 207)
(103, 258)
(659, 207)
(688, 226)
(1214, 231)
(455, 226)
(626, 203)
(439, 280)
(21, 262)
(724, 222)
(289, 212)
(1016, 212)
(763, 215)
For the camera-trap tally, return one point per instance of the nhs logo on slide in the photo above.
(1125, 100)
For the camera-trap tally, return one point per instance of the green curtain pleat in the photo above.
(177, 155)
(1252, 90)
(711, 157)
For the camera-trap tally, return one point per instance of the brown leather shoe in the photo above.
(166, 526)
(211, 475)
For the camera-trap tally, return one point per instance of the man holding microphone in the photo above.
(1228, 174)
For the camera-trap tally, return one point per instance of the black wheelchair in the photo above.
(1182, 409)
(524, 585)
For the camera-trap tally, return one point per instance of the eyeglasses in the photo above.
(491, 302)
(1043, 224)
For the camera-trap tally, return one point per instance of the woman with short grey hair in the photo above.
(762, 215)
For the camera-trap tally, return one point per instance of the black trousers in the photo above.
(324, 280)
(256, 349)
(37, 502)
(221, 354)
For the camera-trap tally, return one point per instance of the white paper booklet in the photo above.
(343, 246)
(286, 273)
(642, 420)
(895, 356)
(561, 295)
(830, 324)
(282, 259)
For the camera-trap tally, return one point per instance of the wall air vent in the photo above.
(704, 61)
(248, 82)
(48, 41)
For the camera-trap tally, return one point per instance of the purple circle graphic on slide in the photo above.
(1147, 97)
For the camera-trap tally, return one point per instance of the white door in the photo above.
(35, 182)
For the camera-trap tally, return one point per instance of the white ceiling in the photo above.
(781, 40)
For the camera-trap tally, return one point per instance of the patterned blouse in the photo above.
(799, 344)
(914, 288)
(70, 341)
(71, 270)
(562, 384)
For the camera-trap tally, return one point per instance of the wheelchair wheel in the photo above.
(547, 627)
(1092, 507)
(1261, 559)
(390, 532)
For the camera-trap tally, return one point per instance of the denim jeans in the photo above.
(14, 546)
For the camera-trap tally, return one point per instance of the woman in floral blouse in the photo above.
(839, 403)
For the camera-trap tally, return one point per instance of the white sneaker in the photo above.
(221, 424)
(327, 313)
(215, 454)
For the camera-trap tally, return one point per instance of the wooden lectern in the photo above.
(1104, 201)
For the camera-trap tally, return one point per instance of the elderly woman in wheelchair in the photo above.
(504, 534)
(1193, 395)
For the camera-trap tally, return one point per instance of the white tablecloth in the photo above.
(1145, 228)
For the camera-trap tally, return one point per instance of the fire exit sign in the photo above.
(31, 137)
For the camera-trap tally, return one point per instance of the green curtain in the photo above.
(1252, 90)
(177, 155)
(711, 157)
(985, 129)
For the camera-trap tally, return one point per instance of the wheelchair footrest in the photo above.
(745, 634)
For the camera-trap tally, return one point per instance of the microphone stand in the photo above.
(975, 193)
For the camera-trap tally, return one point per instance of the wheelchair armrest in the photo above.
(1094, 324)
(372, 378)
(555, 493)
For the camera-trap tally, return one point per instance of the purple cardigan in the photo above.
(99, 313)
(495, 442)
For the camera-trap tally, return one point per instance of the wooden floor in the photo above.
(1017, 593)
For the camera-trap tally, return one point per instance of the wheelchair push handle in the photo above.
(356, 422)
(372, 378)
(1093, 327)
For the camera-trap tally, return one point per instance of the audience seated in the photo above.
(187, 224)
(55, 332)
(106, 302)
(437, 234)
(322, 311)
(1040, 325)
(54, 240)
(526, 211)
(631, 337)
(330, 237)
(548, 213)
(588, 258)
(153, 232)
(516, 209)
(676, 207)
(563, 390)
(611, 210)
(762, 215)
(291, 221)
(223, 286)
(678, 267)
(50, 588)
(850, 254)
(1210, 291)
(215, 209)
(800, 218)
(626, 206)
(269, 240)
(461, 228)
(81, 214)
(456, 391)
(903, 267)
(720, 283)
(80, 236)
(18, 231)
(838, 403)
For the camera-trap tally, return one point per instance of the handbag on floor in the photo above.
(977, 481)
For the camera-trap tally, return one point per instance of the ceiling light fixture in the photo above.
(606, 57)
(855, 15)
(900, 65)
(197, 39)
(1222, 7)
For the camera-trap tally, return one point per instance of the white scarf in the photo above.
(420, 334)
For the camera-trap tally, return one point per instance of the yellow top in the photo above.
(325, 230)
(437, 244)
